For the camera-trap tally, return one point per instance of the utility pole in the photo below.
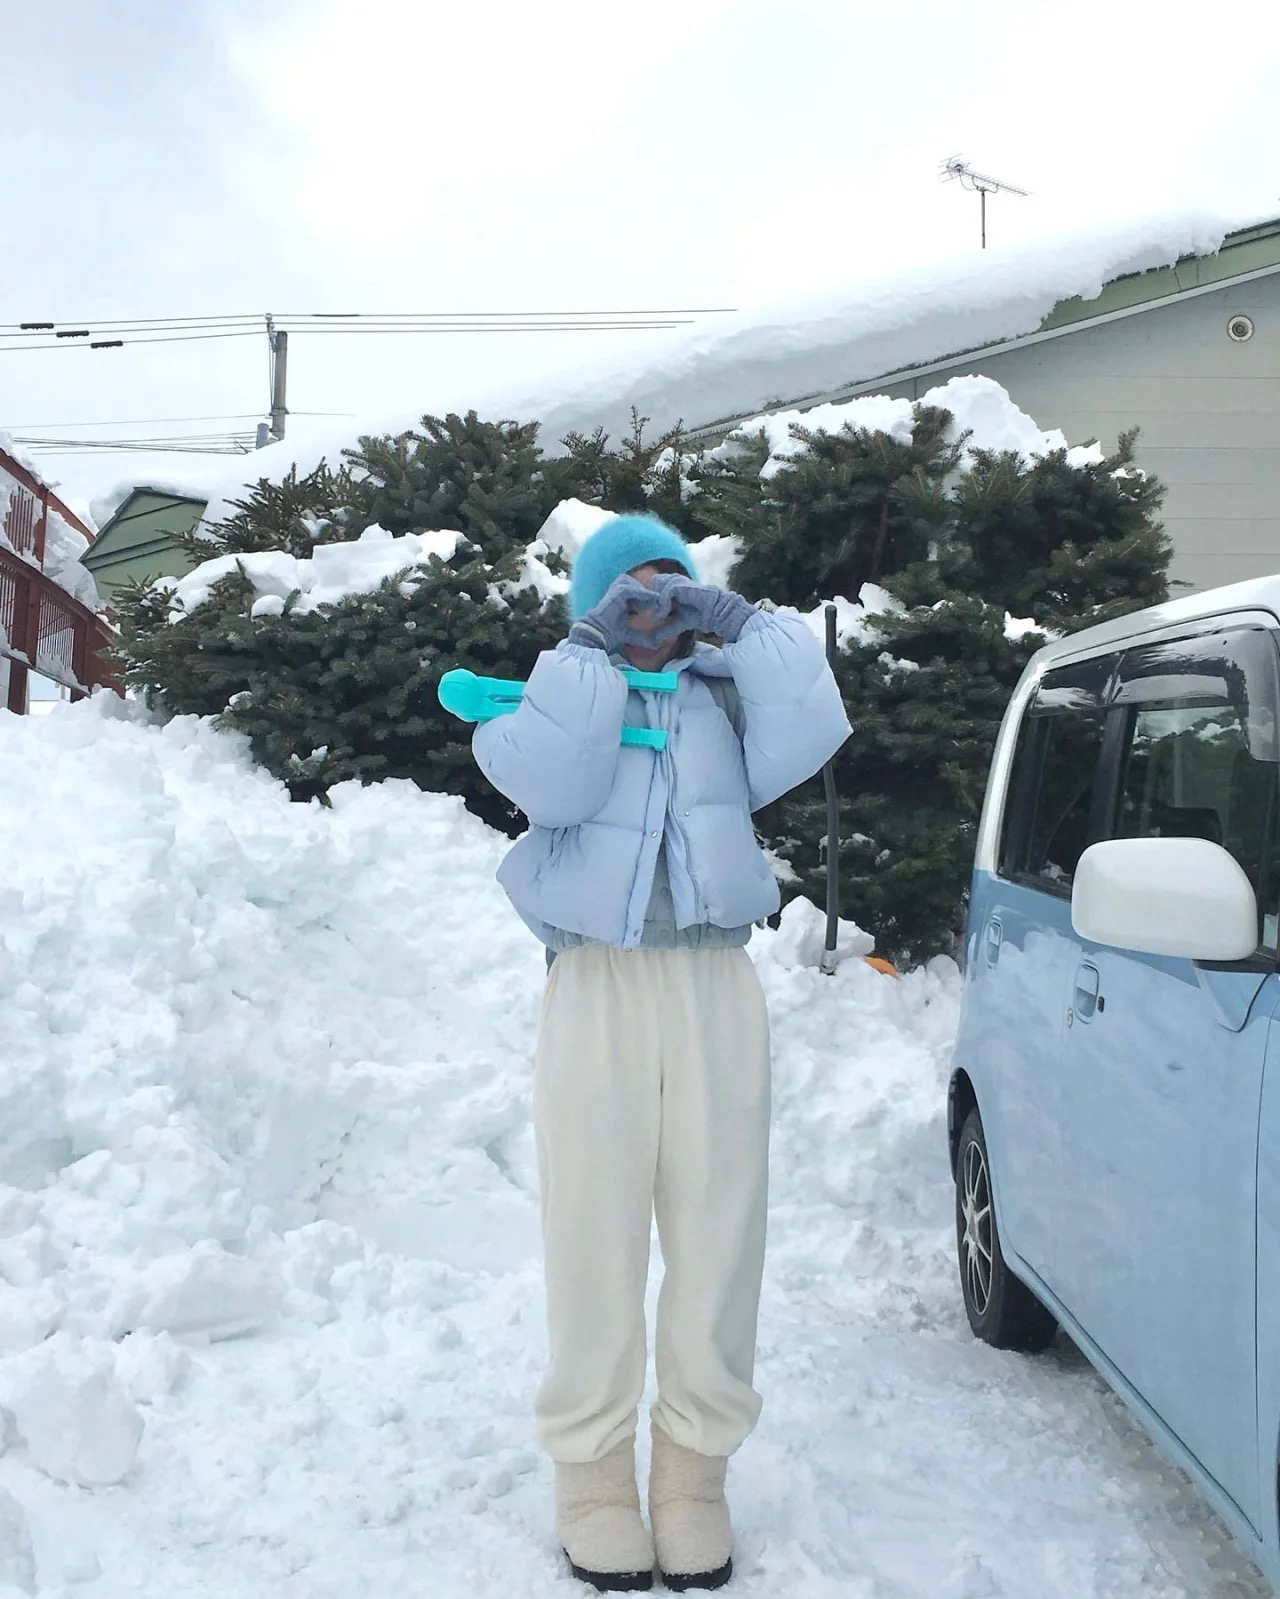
(279, 378)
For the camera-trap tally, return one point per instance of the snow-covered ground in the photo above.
(270, 1315)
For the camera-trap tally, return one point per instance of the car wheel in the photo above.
(1002, 1310)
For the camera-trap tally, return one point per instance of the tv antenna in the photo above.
(958, 167)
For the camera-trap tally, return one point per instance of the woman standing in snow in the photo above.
(641, 871)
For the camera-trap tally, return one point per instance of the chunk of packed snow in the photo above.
(535, 574)
(570, 525)
(64, 545)
(855, 619)
(17, 1559)
(979, 406)
(334, 573)
(78, 1425)
(715, 558)
(207, 1295)
(573, 522)
(64, 550)
(875, 413)
(801, 937)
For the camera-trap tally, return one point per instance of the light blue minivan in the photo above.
(1114, 1109)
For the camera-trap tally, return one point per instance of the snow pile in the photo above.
(64, 549)
(570, 525)
(535, 573)
(64, 545)
(333, 573)
(359, 566)
(270, 1307)
(854, 624)
(14, 450)
(979, 406)
(801, 938)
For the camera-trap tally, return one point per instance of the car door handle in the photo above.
(995, 938)
(1087, 1001)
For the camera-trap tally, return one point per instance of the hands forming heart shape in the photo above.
(658, 611)
(650, 615)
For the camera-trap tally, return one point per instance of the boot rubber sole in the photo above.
(612, 1581)
(700, 1581)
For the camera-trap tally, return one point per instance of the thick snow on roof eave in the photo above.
(766, 358)
(762, 358)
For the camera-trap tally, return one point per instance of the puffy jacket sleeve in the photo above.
(556, 755)
(793, 719)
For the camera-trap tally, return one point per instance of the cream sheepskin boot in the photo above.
(690, 1516)
(599, 1522)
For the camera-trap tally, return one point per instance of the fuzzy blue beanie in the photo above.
(620, 545)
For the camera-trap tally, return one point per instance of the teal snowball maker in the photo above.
(480, 699)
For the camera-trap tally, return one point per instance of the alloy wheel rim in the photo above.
(975, 1239)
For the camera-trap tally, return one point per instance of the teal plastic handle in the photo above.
(480, 699)
(655, 682)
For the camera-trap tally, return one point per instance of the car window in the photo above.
(1199, 759)
(1049, 817)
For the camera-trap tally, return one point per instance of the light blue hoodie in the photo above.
(599, 811)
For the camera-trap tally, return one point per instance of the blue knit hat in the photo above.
(619, 546)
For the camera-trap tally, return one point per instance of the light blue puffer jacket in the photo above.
(598, 810)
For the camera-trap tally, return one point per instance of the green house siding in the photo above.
(1250, 250)
(1153, 351)
(138, 542)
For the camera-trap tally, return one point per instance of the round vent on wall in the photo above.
(1240, 328)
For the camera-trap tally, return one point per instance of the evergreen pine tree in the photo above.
(639, 475)
(350, 691)
(1059, 545)
(843, 509)
(484, 479)
(293, 515)
(1066, 545)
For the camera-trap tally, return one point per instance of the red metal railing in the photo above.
(25, 521)
(42, 627)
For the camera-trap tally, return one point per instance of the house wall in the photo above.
(1208, 410)
(137, 543)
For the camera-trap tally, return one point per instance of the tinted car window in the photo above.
(1199, 754)
(1049, 818)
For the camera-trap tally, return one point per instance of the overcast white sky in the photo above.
(183, 157)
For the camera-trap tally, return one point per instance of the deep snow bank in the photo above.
(270, 1302)
(265, 1067)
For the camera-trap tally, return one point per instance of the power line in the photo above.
(488, 327)
(168, 338)
(144, 438)
(230, 444)
(449, 327)
(258, 317)
(148, 421)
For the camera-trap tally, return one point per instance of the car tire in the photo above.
(1002, 1310)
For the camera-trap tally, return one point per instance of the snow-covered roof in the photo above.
(767, 356)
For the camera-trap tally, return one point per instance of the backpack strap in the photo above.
(724, 691)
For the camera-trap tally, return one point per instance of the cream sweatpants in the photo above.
(651, 1094)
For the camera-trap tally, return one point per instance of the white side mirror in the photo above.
(1183, 897)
